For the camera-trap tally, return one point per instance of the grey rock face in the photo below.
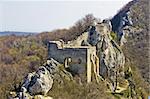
(119, 22)
(110, 55)
(52, 66)
(39, 82)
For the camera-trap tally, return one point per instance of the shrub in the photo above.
(113, 35)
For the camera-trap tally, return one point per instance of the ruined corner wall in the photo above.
(78, 56)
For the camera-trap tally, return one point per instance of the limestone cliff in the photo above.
(131, 24)
(110, 55)
(37, 84)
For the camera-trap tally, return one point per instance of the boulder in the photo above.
(41, 83)
(37, 83)
(52, 66)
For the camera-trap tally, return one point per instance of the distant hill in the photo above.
(6, 33)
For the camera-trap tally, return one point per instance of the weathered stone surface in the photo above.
(123, 20)
(52, 66)
(110, 55)
(39, 82)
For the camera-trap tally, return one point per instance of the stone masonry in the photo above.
(82, 58)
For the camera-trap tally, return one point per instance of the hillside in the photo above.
(136, 31)
(139, 41)
(122, 60)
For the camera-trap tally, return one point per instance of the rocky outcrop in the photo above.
(121, 20)
(38, 83)
(132, 22)
(110, 55)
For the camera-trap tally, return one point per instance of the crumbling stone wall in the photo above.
(80, 56)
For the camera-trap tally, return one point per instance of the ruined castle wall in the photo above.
(78, 56)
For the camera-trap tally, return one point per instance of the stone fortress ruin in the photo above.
(79, 59)
(94, 53)
(82, 55)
